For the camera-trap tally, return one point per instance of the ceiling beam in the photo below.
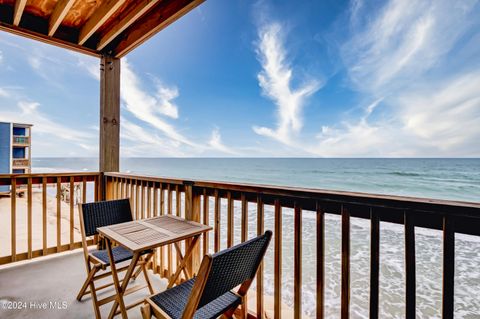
(17, 13)
(139, 10)
(61, 9)
(46, 39)
(105, 11)
(165, 13)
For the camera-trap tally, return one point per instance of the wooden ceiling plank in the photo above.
(17, 13)
(140, 9)
(167, 12)
(49, 40)
(98, 18)
(61, 9)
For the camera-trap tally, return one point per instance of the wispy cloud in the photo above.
(216, 143)
(154, 135)
(275, 79)
(46, 66)
(445, 115)
(4, 93)
(92, 66)
(406, 55)
(48, 130)
(402, 41)
(138, 141)
(150, 108)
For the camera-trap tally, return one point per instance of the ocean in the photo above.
(454, 179)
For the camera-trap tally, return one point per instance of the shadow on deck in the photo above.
(55, 281)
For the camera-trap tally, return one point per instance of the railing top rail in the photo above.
(460, 208)
(60, 174)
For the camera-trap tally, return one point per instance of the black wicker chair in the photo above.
(99, 214)
(211, 294)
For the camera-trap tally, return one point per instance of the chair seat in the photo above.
(174, 300)
(119, 254)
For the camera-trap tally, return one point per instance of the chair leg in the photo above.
(229, 313)
(96, 307)
(146, 311)
(243, 311)
(90, 276)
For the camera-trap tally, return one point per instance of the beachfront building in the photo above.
(15, 149)
(42, 224)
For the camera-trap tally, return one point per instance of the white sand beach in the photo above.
(37, 229)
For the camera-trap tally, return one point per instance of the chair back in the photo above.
(234, 266)
(104, 213)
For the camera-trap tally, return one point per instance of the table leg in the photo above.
(120, 289)
(183, 262)
(180, 257)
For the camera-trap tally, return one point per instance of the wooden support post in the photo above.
(192, 212)
(109, 114)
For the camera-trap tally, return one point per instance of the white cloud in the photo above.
(149, 108)
(50, 130)
(430, 103)
(137, 141)
(165, 95)
(275, 79)
(148, 114)
(34, 62)
(155, 136)
(1, 56)
(439, 120)
(43, 61)
(403, 41)
(216, 143)
(91, 65)
(4, 93)
(446, 115)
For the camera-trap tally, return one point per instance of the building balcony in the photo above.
(20, 140)
(296, 277)
(20, 163)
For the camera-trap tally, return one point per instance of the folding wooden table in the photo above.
(142, 235)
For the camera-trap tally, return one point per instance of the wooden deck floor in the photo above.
(55, 280)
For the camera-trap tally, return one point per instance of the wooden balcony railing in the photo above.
(20, 162)
(45, 199)
(21, 140)
(237, 212)
(152, 196)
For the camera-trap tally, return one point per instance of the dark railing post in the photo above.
(448, 304)
(410, 284)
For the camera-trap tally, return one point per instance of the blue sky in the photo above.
(268, 78)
